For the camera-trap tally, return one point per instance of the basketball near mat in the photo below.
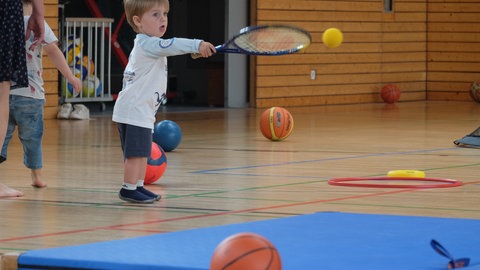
(167, 134)
(276, 123)
(244, 251)
(390, 93)
(475, 91)
(156, 164)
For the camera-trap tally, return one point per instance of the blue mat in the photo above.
(326, 240)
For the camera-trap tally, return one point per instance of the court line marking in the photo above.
(406, 207)
(114, 227)
(324, 159)
(229, 212)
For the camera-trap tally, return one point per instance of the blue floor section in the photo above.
(327, 240)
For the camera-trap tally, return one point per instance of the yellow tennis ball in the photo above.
(332, 37)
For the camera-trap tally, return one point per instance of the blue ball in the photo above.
(167, 134)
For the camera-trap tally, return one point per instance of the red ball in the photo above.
(156, 164)
(246, 251)
(276, 123)
(390, 93)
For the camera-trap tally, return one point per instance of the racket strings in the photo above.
(272, 40)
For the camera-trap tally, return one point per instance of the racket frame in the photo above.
(225, 48)
(232, 47)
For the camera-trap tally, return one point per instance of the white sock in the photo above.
(129, 186)
(140, 183)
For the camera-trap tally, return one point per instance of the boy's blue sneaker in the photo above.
(147, 192)
(134, 196)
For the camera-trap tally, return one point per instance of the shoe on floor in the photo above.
(134, 196)
(65, 111)
(147, 192)
(80, 112)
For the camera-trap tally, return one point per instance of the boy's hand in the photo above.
(206, 49)
(76, 84)
(36, 26)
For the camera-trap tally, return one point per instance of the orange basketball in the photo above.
(245, 251)
(390, 93)
(276, 123)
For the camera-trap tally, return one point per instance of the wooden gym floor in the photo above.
(224, 171)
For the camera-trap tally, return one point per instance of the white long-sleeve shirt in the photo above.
(145, 78)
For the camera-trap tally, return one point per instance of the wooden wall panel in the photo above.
(429, 48)
(50, 73)
(378, 48)
(453, 51)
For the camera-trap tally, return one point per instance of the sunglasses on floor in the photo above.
(453, 263)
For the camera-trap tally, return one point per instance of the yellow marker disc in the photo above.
(406, 173)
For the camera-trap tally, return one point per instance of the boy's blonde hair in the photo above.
(139, 7)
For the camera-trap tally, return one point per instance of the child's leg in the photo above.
(10, 130)
(133, 167)
(28, 114)
(4, 108)
(4, 95)
(37, 178)
(136, 145)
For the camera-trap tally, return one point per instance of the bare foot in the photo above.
(9, 192)
(36, 179)
(39, 184)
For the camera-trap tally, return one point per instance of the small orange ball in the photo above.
(276, 123)
(245, 251)
(390, 93)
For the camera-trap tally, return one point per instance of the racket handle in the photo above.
(198, 55)
(195, 55)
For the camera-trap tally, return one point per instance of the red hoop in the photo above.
(441, 182)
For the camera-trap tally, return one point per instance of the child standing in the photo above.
(12, 61)
(144, 89)
(26, 103)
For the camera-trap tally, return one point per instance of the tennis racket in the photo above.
(266, 40)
